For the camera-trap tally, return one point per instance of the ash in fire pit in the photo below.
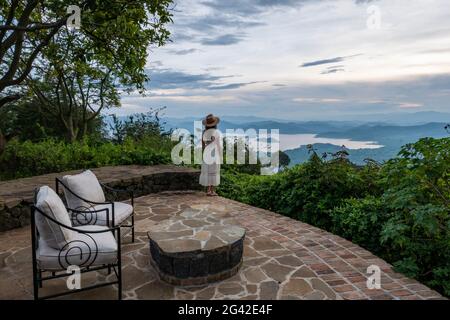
(196, 247)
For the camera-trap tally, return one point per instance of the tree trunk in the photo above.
(83, 130)
(71, 132)
(2, 143)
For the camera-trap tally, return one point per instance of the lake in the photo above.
(294, 141)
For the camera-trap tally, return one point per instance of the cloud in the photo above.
(172, 79)
(219, 21)
(179, 37)
(317, 100)
(266, 45)
(327, 61)
(320, 62)
(409, 105)
(223, 40)
(156, 63)
(232, 85)
(364, 1)
(333, 69)
(250, 7)
(183, 51)
(178, 80)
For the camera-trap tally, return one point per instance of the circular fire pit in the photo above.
(196, 247)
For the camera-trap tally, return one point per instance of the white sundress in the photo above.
(210, 172)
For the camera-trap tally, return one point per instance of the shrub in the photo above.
(400, 210)
(23, 159)
(307, 192)
(418, 193)
(361, 221)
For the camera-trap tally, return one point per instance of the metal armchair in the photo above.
(83, 210)
(91, 248)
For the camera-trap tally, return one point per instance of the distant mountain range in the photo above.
(392, 131)
(398, 118)
(392, 137)
(383, 133)
(402, 118)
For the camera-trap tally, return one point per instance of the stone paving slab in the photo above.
(283, 259)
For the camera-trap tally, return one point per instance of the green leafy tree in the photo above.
(28, 120)
(72, 75)
(417, 185)
(117, 34)
(69, 88)
(138, 126)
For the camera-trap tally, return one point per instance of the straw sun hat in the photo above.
(210, 121)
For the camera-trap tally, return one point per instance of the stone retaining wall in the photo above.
(14, 214)
(158, 182)
(17, 195)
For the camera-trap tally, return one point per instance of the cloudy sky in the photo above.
(301, 59)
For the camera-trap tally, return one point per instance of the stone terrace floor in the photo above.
(283, 259)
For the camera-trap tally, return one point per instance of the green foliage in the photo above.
(238, 166)
(417, 192)
(22, 159)
(110, 47)
(137, 126)
(309, 192)
(27, 121)
(143, 142)
(361, 221)
(400, 210)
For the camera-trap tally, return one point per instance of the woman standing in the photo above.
(212, 155)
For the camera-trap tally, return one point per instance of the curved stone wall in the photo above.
(16, 195)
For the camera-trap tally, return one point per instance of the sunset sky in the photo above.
(301, 59)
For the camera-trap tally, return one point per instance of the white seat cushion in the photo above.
(50, 232)
(84, 250)
(86, 186)
(121, 212)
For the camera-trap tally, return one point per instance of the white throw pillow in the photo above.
(51, 204)
(85, 185)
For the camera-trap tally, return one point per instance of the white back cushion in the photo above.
(85, 185)
(51, 204)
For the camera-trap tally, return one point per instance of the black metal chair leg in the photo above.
(40, 278)
(132, 228)
(33, 254)
(119, 265)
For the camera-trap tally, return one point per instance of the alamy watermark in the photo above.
(74, 20)
(374, 280)
(373, 22)
(73, 281)
(242, 147)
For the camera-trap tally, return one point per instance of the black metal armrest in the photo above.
(116, 190)
(74, 228)
(129, 192)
